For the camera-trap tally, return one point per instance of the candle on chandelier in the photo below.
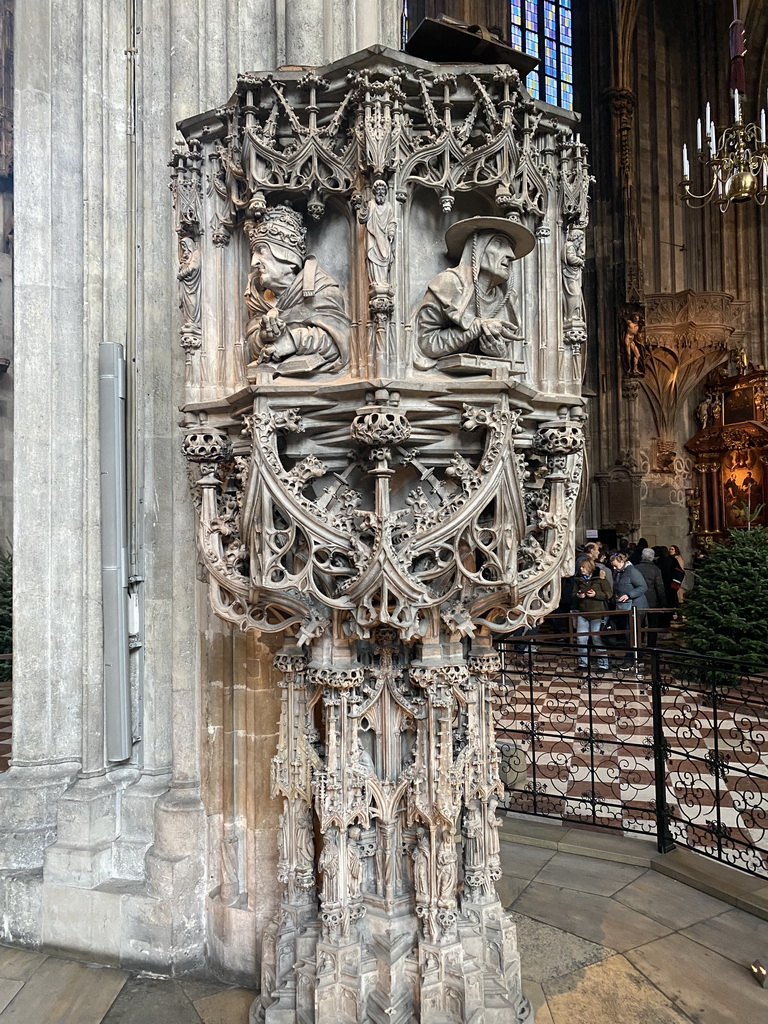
(698, 135)
(736, 109)
(762, 125)
(712, 140)
(708, 115)
(686, 166)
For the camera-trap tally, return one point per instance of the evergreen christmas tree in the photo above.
(726, 614)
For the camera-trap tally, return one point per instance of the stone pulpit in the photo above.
(380, 288)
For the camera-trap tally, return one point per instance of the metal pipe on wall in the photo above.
(114, 551)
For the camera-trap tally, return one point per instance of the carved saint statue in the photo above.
(328, 865)
(298, 323)
(189, 285)
(573, 264)
(473, 308)
(381, 225)
(633, 341)
(704, 411)
(447, 871)
(305, 840)
(354, 864)
(421, 866)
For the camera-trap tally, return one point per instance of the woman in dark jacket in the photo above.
(629, 588)
(591, 591)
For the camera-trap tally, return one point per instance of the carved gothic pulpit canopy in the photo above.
(380, 286)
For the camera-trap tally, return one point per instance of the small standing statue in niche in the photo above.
(189, 286)
(420, 856)
(380, 223)
(473, 308)
(328, 866)
(298, 324)
(704, 411)
(447, 871)
(573, 265)
(633, 342)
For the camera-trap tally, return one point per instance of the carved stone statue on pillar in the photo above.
(390, 481)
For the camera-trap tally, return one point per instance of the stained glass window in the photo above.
(544, 29)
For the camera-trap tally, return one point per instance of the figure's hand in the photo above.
(590, 593)
(266, 353)
(272, 328)
(623, 597)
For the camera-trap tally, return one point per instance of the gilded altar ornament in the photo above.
(298, 324)
(473, 308)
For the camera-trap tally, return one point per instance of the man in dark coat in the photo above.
(654, 595)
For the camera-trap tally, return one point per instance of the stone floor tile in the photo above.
(151, 1001)
(64, 992)
(533, 831)
(610, 992)
(623, 848)
(586, 874)
(547, 952)
(524, 861)
(230, 1007)
(670, 902)
(734, 934)
(19, 964)
(710, 988)
(535, 994)
(596, 918)
(197, 987)
(509, 888)
(8, 989)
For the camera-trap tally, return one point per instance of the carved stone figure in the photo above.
(354, 864)
(473, 307)
(573, 265)
(189, 285)
(421, 866)
(473, 831)
(381, 227)
(305, 840)
(328, 865)
(298, 323)
(704, 411)
(447, 870)
(633, 341)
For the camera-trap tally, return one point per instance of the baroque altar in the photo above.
(380, 285)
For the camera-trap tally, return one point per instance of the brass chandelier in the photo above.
(735, 161)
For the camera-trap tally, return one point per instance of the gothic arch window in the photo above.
(544, 29)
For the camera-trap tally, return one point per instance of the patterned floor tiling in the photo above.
(595, 764)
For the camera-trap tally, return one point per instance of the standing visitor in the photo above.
(654, 595)
(629, 589)
(592, 592)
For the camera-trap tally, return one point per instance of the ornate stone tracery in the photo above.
(383, 502)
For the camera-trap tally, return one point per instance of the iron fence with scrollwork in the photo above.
(662, 743)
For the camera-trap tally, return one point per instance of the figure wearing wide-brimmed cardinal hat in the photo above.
(473, 307)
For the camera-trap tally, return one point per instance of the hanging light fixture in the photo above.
(735, 161)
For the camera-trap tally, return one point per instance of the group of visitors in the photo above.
(639, 576)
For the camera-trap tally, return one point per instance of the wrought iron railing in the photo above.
(5, 711)
(662, 743)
